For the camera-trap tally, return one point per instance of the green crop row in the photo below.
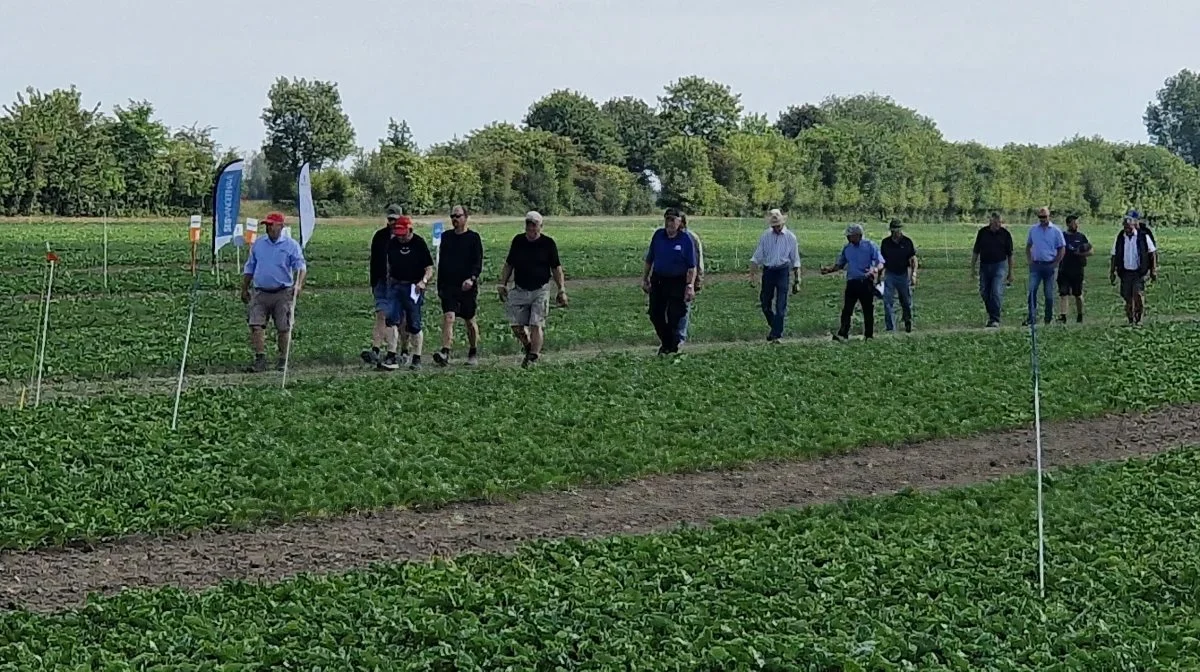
(96, 337)
(146, 257)
(110, 465)
(933, 582)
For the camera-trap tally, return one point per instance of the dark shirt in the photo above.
(1075, 243)
(407, 261)
(896, 254)
(461, 259)
(532, 260)
(671, 257)
(379, 244)
(993, 246)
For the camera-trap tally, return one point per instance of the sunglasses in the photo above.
(456, 216)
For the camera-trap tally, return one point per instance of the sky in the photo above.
(995, 72)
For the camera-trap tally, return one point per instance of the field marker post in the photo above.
(1037, 428)
(37, 394)
(194, 235)
(287, 355)
(106, 252)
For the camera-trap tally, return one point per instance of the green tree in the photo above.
(697, 107)
(399, 135)
(638, 129)
(1174, 121)
(140, 146)
(877, 110)
(796, 119)
(573, 115)
(305, 123)
(687, 177)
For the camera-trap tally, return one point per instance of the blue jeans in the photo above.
(402, 308)
(774, 287)
(1041, 272)
(991, 287)
(897, 283)
(683, 323)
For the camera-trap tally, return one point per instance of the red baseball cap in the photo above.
(273, 218)
(403, 224)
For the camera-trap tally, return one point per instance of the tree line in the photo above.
(695, 148)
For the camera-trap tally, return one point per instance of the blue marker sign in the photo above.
(437, 233)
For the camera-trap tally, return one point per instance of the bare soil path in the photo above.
(55, 579)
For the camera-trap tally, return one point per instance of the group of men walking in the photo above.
(402, 265)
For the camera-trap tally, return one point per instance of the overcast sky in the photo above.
(996, 71)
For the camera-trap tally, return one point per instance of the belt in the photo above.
(273, 291)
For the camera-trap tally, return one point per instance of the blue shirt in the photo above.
(857, 259)
(271, 262)
(671, 257)
(1046, 241)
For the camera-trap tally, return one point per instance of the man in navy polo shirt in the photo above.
(1045, 247)
(669, 278)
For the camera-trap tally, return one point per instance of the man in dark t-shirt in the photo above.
(460, 264)
(992, 263)
(1070, 271)
(410, 266)
(378, 279)
(899, 275)
(532, 260)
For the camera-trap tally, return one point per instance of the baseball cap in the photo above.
(774, 216)
(403, 223)
(533, 216)
(273, 218)
(853, 229)
(895, 224)
(394, 211)
(1132, 214)
(673, 213)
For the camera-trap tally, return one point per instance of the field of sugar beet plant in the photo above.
(876, 502)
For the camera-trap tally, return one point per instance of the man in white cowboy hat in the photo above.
(778, 255)
(863, 263)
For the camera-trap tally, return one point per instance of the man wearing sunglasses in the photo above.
(1045, 247)
(459, 267)
(378, 276)
(532, 260)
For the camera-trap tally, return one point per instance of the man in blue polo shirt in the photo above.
(669, 278)
(863, 262)
(1045, 247)
(269, 290)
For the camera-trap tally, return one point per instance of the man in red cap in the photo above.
(270, 290)
(410, 266)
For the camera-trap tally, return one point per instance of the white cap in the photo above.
(533, 216)
(854, 228)
(776, 217)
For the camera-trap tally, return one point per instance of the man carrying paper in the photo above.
(269, 290)
(410, 266)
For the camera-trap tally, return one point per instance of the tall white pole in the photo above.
(37, 395)
(187, 339)
(287, 355)
(1037, 429)
(106, 252)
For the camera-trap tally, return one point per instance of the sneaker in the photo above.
(389, 363)
(472, 360)
(441, 357)
(279, 363)
(840, 337)
(370, 357)
(1062, 319)
(1079, 319)
(259, 365)
(405, 358)
(530, 360)
(908, 327)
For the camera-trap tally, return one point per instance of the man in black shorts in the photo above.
(459, 266)
(1070, 271)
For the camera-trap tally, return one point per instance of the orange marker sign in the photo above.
(194, 229)
(250, 232)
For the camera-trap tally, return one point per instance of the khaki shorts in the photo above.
(276, 306)
(526, 308)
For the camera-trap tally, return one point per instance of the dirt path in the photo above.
(47, 580)
(10, 394)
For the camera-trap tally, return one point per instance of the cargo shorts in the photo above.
(275, 306)
(527, 308)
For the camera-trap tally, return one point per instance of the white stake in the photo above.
(1037, 429)
(37, 395)
(37, 345)
(287, 355)
(187, 339)
(106, 252)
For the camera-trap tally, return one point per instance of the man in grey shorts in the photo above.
(532, 260)
(269, 290)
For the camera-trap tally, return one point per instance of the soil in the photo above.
(56, 579)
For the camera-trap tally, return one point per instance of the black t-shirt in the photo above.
(1075, 243)
(896, 254)
(993, 246)
(461, 258)
(532, 260)
(407, 260)
(378, 265)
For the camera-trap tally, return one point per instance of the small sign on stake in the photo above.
(438, 227)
